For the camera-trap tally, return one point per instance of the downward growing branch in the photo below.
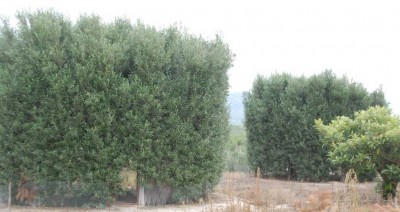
(390, 160)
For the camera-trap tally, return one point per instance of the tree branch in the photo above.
(393, 161)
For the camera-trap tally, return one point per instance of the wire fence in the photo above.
(55, 194)
(3, 197)
(77, 196)
(244, 192)
(236, 191)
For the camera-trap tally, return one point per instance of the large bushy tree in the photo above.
(370, 141)
(279, 119)
(81, 101)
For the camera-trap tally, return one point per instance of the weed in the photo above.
(318, 201)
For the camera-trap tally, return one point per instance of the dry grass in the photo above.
(247, 193)
(243, 192)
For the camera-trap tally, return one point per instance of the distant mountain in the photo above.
(235, 102)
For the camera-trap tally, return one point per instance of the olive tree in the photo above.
(81, 101)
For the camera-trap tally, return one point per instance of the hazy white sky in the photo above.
(357, 38)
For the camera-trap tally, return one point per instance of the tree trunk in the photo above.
(141, 196)
(157, 195)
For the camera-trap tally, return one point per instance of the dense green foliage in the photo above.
(370, 141)
(279, 117)
(81, 101)
(236, 153)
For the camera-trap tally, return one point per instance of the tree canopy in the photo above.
(81, 101)
(279, 119)
(370, 141)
